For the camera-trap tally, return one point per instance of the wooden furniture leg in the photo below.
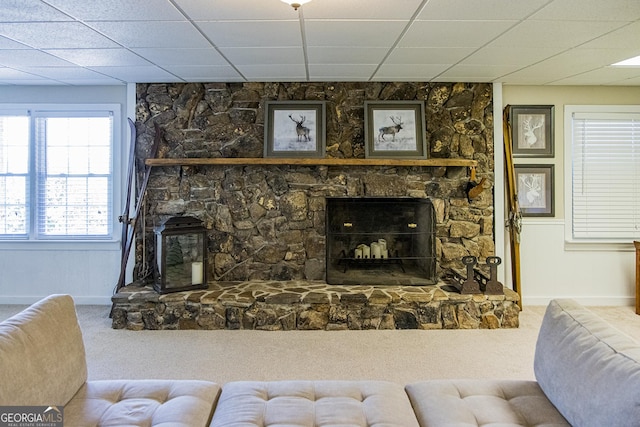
(637, 245)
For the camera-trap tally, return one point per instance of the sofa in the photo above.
(42, 363)
(587, 374)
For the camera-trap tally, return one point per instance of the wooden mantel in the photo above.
(310, 162)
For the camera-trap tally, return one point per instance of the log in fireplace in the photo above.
(381, 241)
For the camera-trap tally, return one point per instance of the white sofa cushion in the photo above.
(314, 403)
(507, 403)
(142, 403)
(589, 370)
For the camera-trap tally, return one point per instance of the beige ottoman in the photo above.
(507, 403)
(314, 403)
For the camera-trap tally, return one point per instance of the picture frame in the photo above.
(395, 129)
(535, 186)
(532, 130)
(295, 129)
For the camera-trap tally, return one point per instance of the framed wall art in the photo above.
(535, 189)
(395, 129)
(532, 130)
(294, 129)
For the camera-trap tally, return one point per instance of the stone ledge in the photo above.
(306, 305)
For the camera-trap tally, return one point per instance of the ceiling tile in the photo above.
(52, 35)
(99, 57)
(623, 37)
(590, 10)
(148, 74)
(6, 43)
(62, 73)
(119, 10)
(485, 73)
(10, 73)
(428, 55)
(510, 55)
(361, 9)
(204, 10)
(30, 10)
(105, 81)
(342, 71)
(30, 58)
(253, 33)
(453, 33)
(183, 56)
(601, 76)
(205, 73)
(270, 72)
(416, 72)
(264, 55)
(580, 60)
(353, 33)
(635, 81)
(152, 34)
(348, 55)
(553, 33)
(477, 10)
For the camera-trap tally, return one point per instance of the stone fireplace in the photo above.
(380, 241)
(267, 229)
(267, 222)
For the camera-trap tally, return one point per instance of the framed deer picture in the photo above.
(532, 130)
(395, 129)
(535, 189)
(294, 129)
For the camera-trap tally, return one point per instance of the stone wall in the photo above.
(267, 222)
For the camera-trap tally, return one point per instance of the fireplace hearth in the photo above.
(380, 241)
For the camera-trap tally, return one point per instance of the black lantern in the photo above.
(181, 260)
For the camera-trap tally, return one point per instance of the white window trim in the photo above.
(112, 243)
(570, 242)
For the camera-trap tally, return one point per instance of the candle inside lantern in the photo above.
(375, 250)
(366, 251)
(197, 273)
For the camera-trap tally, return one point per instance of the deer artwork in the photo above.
(528, 127)
(301, 131)
(390, 130)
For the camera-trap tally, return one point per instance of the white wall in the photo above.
(548, 268)
(88, 271)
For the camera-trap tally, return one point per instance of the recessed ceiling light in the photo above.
(631, 62)
(296, 3)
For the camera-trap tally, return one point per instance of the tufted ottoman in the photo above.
(313, 403)
(482, 402)
(142, 403)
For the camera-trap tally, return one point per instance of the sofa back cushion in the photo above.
(589, 370)
(42, 355)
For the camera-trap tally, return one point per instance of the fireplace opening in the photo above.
(380, 241)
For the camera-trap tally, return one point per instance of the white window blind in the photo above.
(14, 175)
(605, 176)
(74, 175)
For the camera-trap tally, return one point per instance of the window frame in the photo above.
(587, 243)
(40, 110)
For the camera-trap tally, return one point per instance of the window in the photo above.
(56, 173)
(602, 158)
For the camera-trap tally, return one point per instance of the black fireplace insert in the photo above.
(380, 241)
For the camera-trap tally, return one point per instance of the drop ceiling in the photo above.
(113, 42)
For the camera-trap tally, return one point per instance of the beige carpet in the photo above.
(402, 356)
